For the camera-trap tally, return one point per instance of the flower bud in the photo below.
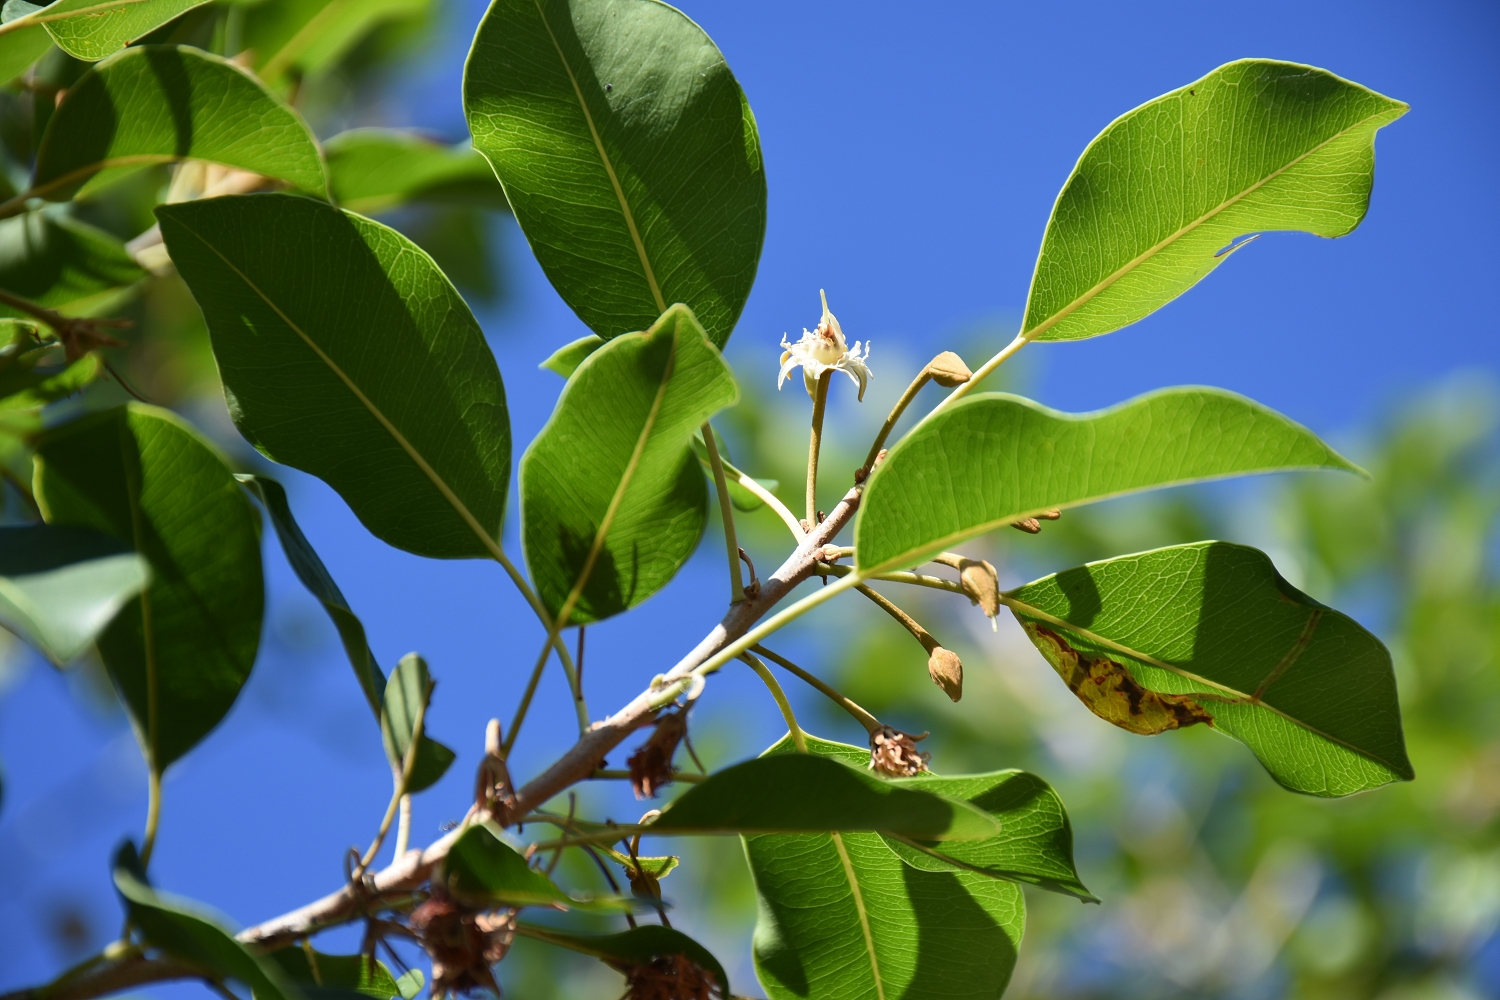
(948, 370)
(982, 584)
(894, 753)
(947, 672)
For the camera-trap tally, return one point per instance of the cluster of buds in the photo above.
(895, 753)
(462, 943)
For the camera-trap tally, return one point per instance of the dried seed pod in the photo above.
(895, 753)
(461, 943)
(671, 977)
(651, 764)
(948, 370)
(947, 672)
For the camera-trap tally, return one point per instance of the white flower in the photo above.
(822, 349)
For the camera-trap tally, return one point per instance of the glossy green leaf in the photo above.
(482, 870)
(793, 793)
(165, 103)
(291, 39)
(637, 946)
(1215, 628)
(20, 48)
(1159, 197)
(62, 263)
(995, 458)
(566, 359)
(374, 169)
(187, 932)
(612, 500)
(377, 380)
(60, 586)
(841, 916)
(316, 973)
(385, 701)
(92, 29)
(628, 153)
(181, 651)
(659, 867)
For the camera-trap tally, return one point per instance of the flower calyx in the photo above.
(651, 765)
(822, 350)
(462, 943)
(894, 753)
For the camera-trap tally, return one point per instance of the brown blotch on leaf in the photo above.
(948, 370)
(895, 753)
(947, 672)
(1111, 693)
(1033, 525)
(651, 764)
(671, 977)
(463, 944)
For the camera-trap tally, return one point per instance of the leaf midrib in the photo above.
(1131, 265)
(864, 916)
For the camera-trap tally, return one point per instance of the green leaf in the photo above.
(566, 359)
(60, 586)
(181, 651)
(995, 458)
(165, 103)
(1035, 844)
(292, 39)
(410, 983)
(841, 915)
(739, 495)
(1210, 632)
(793, 793)
(1158, 198)
(92, 29)
(658, 868)
(20, 48)
(612, 501)
(628, 153)
(380, 383)
(482, 870)
(186, 932)
(637, 946)
(385, 701)
(374, 169)
(24, 383)
(62, 263)
(313, 972)
(408, 687)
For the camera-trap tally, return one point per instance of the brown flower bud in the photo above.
(651, 764)
(982, 584)
(1033, 525)
(670, 977)
(462, 943)
(948, 370)
(894, 753)
(947, 672)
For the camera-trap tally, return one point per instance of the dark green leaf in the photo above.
(629, 156)
(1162, 193)
(60, 586)
(482, 870)
(374, 169)
(93, 29)
(315, 971)
(25, 383)
(637, 946)
(612, 501)
(181, 651)
(791, 793)
(841, 915)
(63, 264)
(995, 458)
(405, 692)
(296, 38)
(379, 382)
(164, 103)
(566, 359)
(186, 932)
(1210, 632)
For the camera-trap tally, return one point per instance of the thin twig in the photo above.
(726, 513)
(814, 442)
(799, 739)
(403, 781)
(911, 579)
(766, 497)
(907, 621)
(403, 826)
(526, 696)
(864, 718)
(979, 376)
(923, 377)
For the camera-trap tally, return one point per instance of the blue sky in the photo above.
(913, 153)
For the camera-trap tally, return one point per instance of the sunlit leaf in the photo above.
(1158, 198)
(374, 169)
(629, 156)
(482, 870)
(62, 263)
(408, 687)
(296, 38)
(380, 382)
(20, 48)
(92, 29)
(995, 458)
(566, 359)
(1210, 633)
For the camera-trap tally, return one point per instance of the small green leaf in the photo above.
(612, 501)
(841, 915)
(566, 359)
(1211, 633)
(658, 868)
(62, 263)
(25, 384)
(313, 972)
(381, 383)
(793, 793)
(1157, 199)
(993, 459)
(188, 933)
(739, 495)
(292, 39)
(637, 946)
(165, 103)
(410, 984)
(482, 870)
(407, 688)
(92, 29)
(628, 153)
(385, 701)
(60, 586)
(374, 169)
(181, 651)
(20, 48)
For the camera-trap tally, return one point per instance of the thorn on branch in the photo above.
(752, 589)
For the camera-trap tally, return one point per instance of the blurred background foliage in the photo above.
(1215, 882)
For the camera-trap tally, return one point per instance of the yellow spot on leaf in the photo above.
(1111, 693)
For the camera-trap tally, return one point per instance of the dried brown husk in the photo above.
(895, 753)
(651, 764)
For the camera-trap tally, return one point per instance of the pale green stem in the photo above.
(837, 697)
(554, 637)
(890, 421)
(814, 442)
(726, 512)
(979, 376)
(911, 579)
(907, 621)
(799, 739)
(526, 696)
(767, 497)
(153, 815)
(403, 781)
(403, 827)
